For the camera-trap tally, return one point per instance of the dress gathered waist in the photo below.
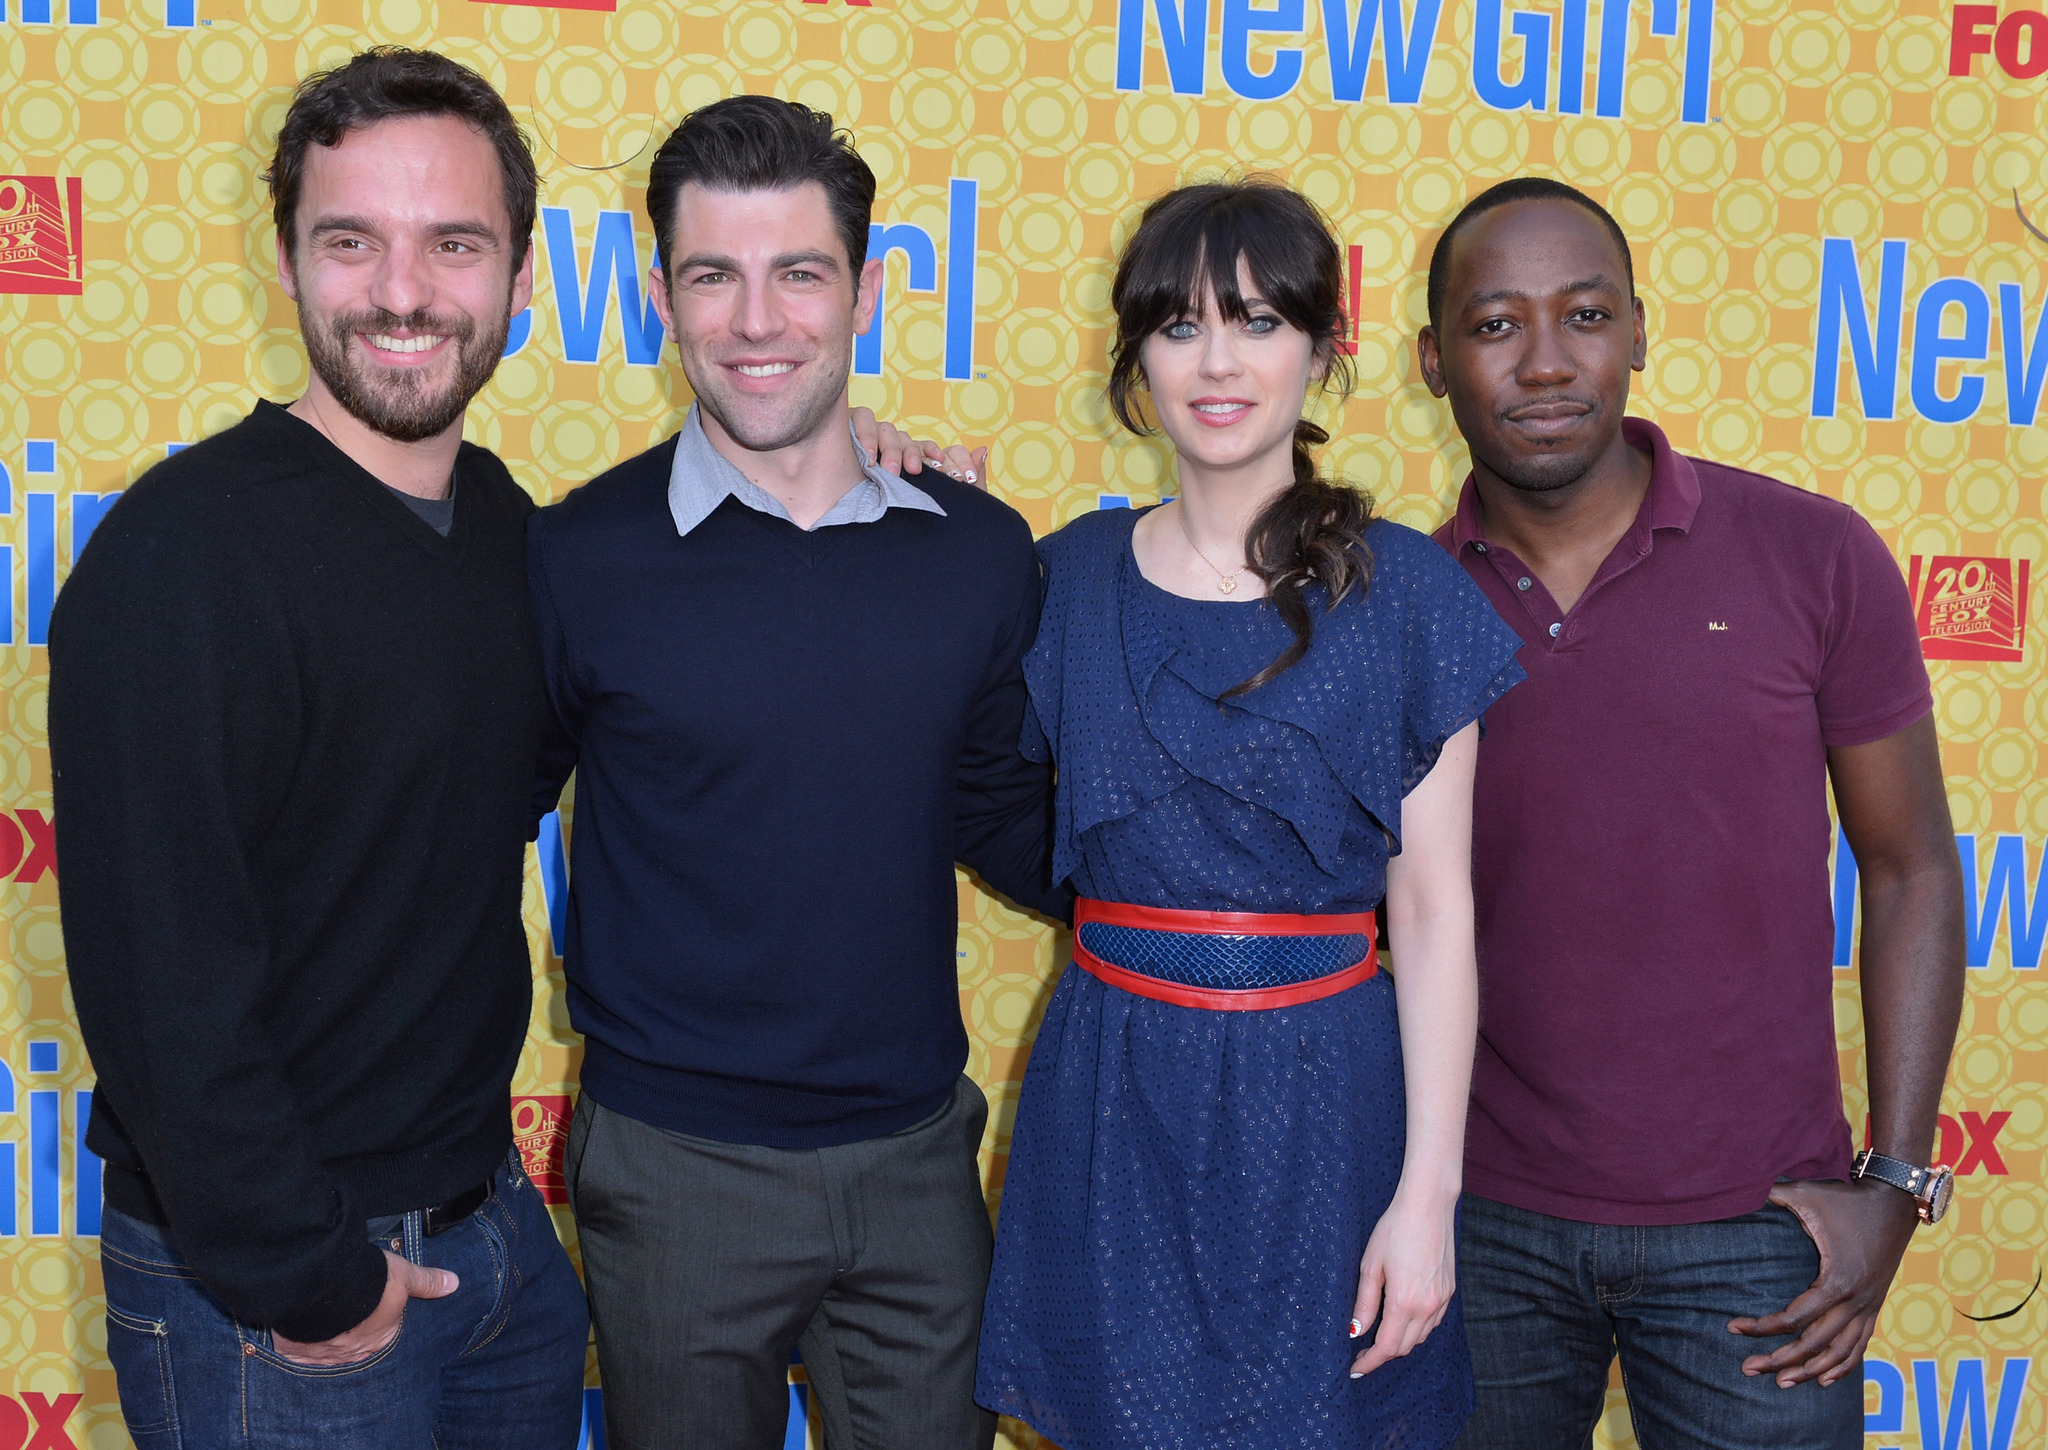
(1223, 961)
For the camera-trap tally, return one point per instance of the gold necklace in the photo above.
(1225, 583)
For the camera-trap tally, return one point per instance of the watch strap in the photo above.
(1899, 1174)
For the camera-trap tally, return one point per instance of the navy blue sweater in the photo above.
(783, 741)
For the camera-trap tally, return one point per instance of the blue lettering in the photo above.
(87, 1170)
(590, 1436)
(554, 878)
(797, 1435)
(1571, 59)
(1967, 1405)
(2005, 891)
(1930, 347)
(921, 261)
(1841, 308)
(179, 14)
(1845, 901)
(1699, 60)
(9, 1224)
(1890, 1415)
(580, 307)
(1533, 89)
(1405, 56)
(42, 564)
(1183, 36)
(963, 233)
(2025, 366)
(43, 1178)
(1241, 21)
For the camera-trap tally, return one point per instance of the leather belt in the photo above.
(1245, 925)
(456, 1209)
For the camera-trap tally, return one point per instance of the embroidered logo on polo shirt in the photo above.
(1970, 607)
(1715, 625)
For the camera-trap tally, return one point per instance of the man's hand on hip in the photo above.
(1861, 1230)
(403, 1280)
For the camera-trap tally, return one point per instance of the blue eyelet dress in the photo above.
(1189, 1192)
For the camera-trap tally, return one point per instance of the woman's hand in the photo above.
(895, 451)
(1406, 1278)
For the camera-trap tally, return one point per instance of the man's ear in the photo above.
(867, 295)
(522, 283)
(285, 278)
(1639, 353)
(657, 292)
(1429, 354)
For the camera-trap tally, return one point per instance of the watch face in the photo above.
(1939, 1192)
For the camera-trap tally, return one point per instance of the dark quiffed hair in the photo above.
(1188, 244)
(758, 143)
(1519, 188)
(387, 81)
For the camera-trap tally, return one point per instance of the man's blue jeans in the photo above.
(497, 1363)
(1550, 1301)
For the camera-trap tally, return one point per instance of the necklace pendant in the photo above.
(1227, 585)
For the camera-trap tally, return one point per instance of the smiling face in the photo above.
(1538, 337)
(402, 269)
(1228, 393)
(764, 306)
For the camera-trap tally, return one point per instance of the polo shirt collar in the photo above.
(701, 478)
(1671, 503)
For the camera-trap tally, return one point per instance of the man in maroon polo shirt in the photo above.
(1658, 1163)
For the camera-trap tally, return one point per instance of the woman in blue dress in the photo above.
(1229, 1213)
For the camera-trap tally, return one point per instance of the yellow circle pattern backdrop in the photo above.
(1839, 219)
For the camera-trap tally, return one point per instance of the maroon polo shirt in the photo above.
(1650, 847)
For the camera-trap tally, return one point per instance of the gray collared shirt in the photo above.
(702, 478)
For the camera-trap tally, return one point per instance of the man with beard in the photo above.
(1657, 1163)
(791, 686)
(294, 705)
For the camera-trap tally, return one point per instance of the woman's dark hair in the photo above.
(758, 143)
(388, 81)
(1186, 248)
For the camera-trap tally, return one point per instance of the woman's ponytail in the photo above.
(1314, 533)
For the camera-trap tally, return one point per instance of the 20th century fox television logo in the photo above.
(41, 249)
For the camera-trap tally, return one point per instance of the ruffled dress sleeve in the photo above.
(1128, 687)
(1458, 654)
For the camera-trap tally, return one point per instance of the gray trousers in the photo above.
(708, 1262)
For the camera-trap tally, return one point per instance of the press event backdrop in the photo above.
(1837, 212)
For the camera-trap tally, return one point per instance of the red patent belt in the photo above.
(1224, 923)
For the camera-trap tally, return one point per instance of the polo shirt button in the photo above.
(1479, 548)
(1554, 629)
(1524, 582)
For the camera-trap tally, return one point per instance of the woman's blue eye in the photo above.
(1262, 324)
(1179, 331)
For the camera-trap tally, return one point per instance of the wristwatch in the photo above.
(1932, 1188)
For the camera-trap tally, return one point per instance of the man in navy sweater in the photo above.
(790, 686)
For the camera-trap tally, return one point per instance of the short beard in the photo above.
(1538, 473)
(808, 415)
(402, 409)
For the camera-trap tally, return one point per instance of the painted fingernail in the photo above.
(1358, 1374)
(970, 475)
(1356, 1329)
